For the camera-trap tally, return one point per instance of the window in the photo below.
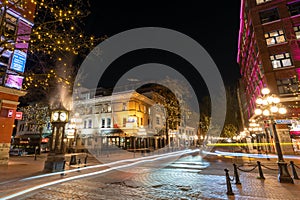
(275, 37)
(281, 60)
(124, 121)
(21, 127)
(84, 124)
(297, 31)
(102, 123)
(261, 1)
(294, 8)
(287, 86)
(90, 123)
(108, 122)
(124, 106)
(4, 60)
(85, 95)
(106, 108)
(17, 3)
(142, 122)
(89, 141)
(10, 26)
(269, 15)
(157, 120)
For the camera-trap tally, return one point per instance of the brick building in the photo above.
(269, 55)
(16, 24)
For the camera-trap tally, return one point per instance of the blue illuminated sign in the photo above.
(18, 61)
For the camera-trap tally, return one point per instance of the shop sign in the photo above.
(70, 133)
(19, 115)
(10, 113)
(284, 121)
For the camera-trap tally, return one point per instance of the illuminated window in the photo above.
(269, 15)
(10, 25)
(102, 123)
(124, 106)
(90, 123)
(281, 60)
(297, 31)
(275, 37)
(17, 3)
(287, 86)
(157, 120)
(294, 8)
(124, 121)
(261, 1)
(108, 122)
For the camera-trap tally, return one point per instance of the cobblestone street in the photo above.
(173, 183)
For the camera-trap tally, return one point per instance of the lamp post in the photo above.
(268, 106)
(256, 130)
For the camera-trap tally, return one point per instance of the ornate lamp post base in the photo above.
(284, 175)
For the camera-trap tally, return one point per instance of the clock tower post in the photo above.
(56, 157)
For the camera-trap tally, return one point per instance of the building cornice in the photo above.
(12, 91)
(119, 96)
(5, 104)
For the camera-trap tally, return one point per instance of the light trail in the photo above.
(140, 161)
(236, 154)
(246, 144)
(107, 164)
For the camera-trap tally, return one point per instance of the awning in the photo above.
(111, 131)
(295, 133)
(26, 136)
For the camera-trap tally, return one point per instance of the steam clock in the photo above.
(56, 157)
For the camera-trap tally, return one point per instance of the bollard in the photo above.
(85, 160)
(63, 169)
(73, 160)
(236, 175)
(261, 175)
(79, 162)
(294, 170)
(229, 188)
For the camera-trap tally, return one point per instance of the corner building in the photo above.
(16, 24)
(269, 56)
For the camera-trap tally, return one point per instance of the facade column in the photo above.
(8, 105)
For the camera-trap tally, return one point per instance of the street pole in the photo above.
(268, 105)
(284, 175)
(35, 151)
(40, 140)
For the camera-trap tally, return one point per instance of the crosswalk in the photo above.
(189, 163)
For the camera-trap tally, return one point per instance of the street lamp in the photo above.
(268, 106)
(256, 130)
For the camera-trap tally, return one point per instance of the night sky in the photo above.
(213, 24)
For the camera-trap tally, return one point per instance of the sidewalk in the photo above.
(24, 166)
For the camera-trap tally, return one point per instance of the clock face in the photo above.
(55, 116)
(63, 116)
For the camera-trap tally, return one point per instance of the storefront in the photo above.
(295, 138)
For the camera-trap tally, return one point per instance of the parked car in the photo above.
(17, 152)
